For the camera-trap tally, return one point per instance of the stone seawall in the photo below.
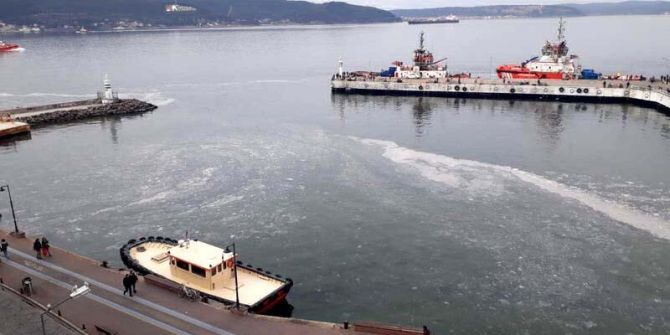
(121, 107)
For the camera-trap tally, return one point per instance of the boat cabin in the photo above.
(200, 264)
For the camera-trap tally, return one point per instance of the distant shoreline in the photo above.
(286, 26)
(195, 28)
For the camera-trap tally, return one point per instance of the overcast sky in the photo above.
(394, 4)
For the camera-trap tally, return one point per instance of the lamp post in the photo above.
(74, 294)
(11, 204)
(234, 269)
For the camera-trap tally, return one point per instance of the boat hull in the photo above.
(267, 305)
(9, 47)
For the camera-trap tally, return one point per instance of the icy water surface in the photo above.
(469, 216)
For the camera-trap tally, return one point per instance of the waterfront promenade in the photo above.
(152, 310)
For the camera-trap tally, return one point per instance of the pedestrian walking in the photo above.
(45, 247)
(4, 246)
(37, 247)
(133, 281)
(127, 286)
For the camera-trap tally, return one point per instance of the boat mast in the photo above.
(421, 41)
(561, 30)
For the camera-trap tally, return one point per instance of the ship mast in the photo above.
(561, 30)
(421, 41)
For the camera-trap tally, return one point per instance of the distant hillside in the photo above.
(614, 8)
(499, 10)
(53, 13)
(624, 8)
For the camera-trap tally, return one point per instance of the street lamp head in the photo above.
(80, 291)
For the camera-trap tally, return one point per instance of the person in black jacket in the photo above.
(133, 281)
(126, 285)
(37, 246)
(4, 246)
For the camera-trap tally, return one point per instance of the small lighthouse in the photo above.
(107, 96)
(340, 69)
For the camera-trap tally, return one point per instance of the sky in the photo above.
(396, 4)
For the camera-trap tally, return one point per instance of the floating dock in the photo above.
(642, 93)
(152, 310)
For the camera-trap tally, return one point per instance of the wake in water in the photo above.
(156, 98)
(468, 174)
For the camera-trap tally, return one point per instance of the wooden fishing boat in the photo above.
(214, 272)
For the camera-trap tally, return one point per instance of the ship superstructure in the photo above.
(553, 63)
(425, 65)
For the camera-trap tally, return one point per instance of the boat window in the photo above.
(198, 271)
(220, 267)
(182, 265)
(213, 270)
(224, 265)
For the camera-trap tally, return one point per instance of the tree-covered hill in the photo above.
(52, 13)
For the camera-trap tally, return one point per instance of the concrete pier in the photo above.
(640, 93)
(153, 310)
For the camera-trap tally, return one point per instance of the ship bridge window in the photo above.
(198, 271)
(219, 266)
(213, 270)
(182, 265)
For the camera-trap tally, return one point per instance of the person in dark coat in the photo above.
(37, 246)
(4, 246)
(133, 281)
(127, 286)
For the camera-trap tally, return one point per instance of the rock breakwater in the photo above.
(120, 107)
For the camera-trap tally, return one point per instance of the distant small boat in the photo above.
(5, 47)
(442, 19)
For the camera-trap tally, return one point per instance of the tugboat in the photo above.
(6, 47)
(424, 66)
(555, 63)
(214, 272)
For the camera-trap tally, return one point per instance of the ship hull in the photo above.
(519, 72)
(267, 305)
(433, 22)
(511, 92)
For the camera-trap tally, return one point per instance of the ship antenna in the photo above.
(421, 41)
(561, 30)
